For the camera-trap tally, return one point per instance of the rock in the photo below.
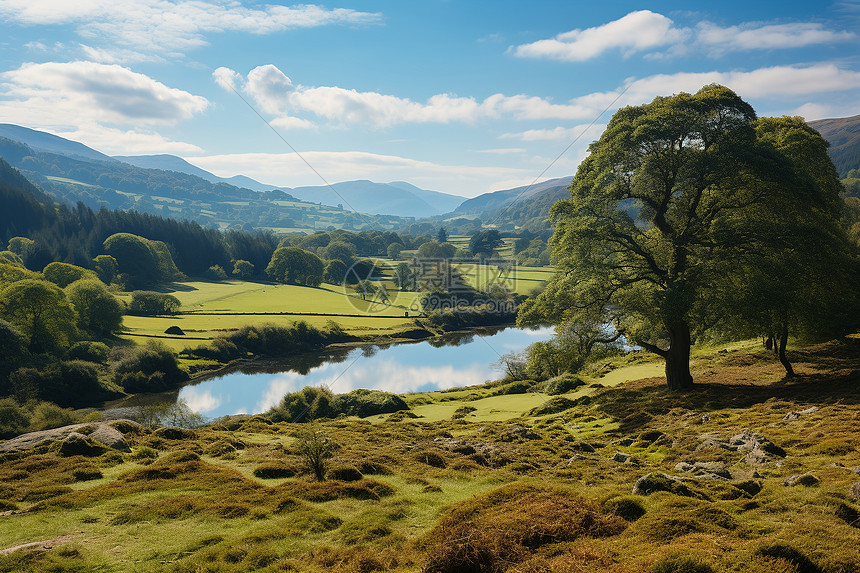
(848, 514)
(600, 445)
(521, 432)
(806, 479)
(76, 444)
(624, 442)
(31, 440)
(175, 330)
(653, 482)
(111, 437)
(621, 457)
(578, 458)
(751, 487)
(707, 470)
(127, 426)
(854, 490)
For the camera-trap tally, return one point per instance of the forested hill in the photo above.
(75, 235)
(843, 134)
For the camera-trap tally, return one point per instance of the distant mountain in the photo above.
(173, 163)
(170, 186)
(41, 141)
(499, 199)
(398, 198)
(843, 134)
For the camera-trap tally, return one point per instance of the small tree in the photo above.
(315, 448)
(394, 250)
(98, 310)
(106, 268)
(243, 269)
(442, 235)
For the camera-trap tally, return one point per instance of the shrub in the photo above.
(628, 508)
(315, 448)
(553, 406)
(561, 384)
(47, 416)
(148, 303)
(216, 273)
(150, 368)
(67, 383)
(309, 403)
(14, 419)
(273, 470)
(519, 387)
(344, 473)
(89, 351)
(363, 403)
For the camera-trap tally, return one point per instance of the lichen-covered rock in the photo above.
(111, 437)
(652, 482)
(854, 490)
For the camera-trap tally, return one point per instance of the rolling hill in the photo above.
(843, 134)
(398, 198)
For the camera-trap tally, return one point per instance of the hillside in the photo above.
(489, 202)
(620, 476)
(74, 173)
(398, 198)
(843, 134)
(173, 163)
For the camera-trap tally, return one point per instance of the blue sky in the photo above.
(460, 97)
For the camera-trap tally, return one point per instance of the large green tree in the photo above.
(98, 310)
(663, 215)
(41, 312)
(295, 266)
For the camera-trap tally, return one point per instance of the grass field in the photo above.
(499, 489)
(210, 307)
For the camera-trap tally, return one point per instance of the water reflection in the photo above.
(460, 360)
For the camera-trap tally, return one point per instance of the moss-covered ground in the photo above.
(505, 486)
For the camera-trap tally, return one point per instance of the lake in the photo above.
(460, 360)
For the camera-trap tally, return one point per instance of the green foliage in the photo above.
(19, 245)
(10, 258)
(306, 404)
(363, 403)
(216, 273)
(68, 383)
(672, 211)
(149, 368)
(335, 272)
(292, 265)
(243, 269)
(106, 268)
(47, 416)
(339, 251)
(436, 250)
(170, 415)
(89, 351)
(14, 419)
(394, 250)
(148, 303)
(561, 384)
(142, 260)
(485, 242)
(64, 274)
(315, 448)
(12, 351)
(41, 312)
(98, 310)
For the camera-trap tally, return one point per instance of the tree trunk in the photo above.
(678, 375)
(768, 342)
(783, 342)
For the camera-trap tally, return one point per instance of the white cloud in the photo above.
(811, 111)
(637, 31)
(657, 35)
(274, 92)
(288, 122)
(172, 25)
(117, 55)
(767, 37)
(288, 170)
(74, 91)
(86, 101)
(119, 142)
(557, 133)
(200, 401)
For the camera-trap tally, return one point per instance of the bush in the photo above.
(315, 448)
(272, 470)
(68, 383)
(14, 419)
(150, 368)
(628, 508)
(363, 403)
(561, 384)
(47, 416)
(89, 351)
(148, 303)
(344, 473)
(216, 273)
(519, 387)
(309, 403)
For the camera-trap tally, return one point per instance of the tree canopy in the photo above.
(680, 208)
(41, 312)
(293, 265)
